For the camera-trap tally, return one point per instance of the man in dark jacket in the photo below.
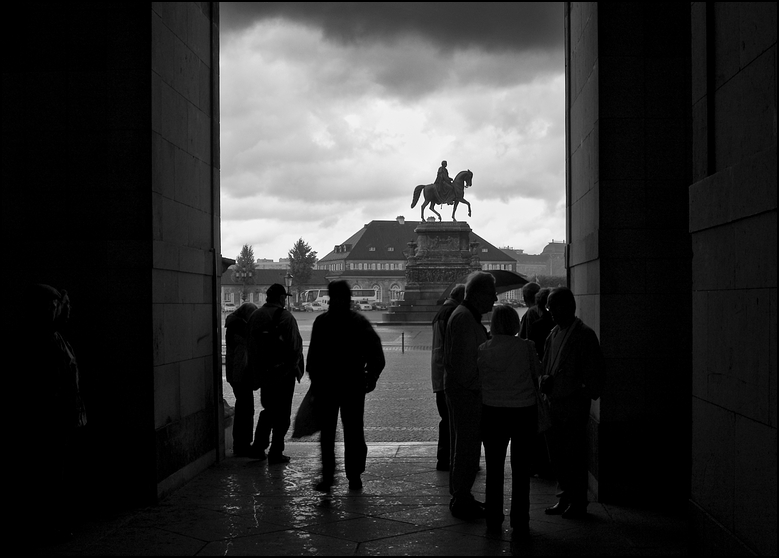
(573, 376)
(437, 373)
(276, 356)
(345, 359)
(464, 334)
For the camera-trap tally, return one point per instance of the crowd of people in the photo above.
(265, 352)
(524, 384)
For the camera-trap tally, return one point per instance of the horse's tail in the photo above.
(417, 192)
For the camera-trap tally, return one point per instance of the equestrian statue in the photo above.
(444, 191)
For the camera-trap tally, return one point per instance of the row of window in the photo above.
(375, 266)
(507, 267)
(356, 266)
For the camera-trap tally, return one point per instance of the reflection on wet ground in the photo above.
(246, 507)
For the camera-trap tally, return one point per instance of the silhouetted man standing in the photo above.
(345, 359)
(464, 334)
(573, 375)
(276, 355)
(437, 373)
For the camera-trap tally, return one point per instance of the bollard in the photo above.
(403, 342)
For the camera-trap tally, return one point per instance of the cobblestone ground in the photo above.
(402, 408)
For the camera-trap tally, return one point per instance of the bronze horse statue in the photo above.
(459, 184)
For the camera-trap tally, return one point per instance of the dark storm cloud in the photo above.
(491, 26)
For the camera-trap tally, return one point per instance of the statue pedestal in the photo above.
(441, 255)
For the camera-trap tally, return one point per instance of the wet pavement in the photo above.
(246, 507)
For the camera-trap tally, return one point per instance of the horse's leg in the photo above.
(469, 207)
(424, 205)
(456, 203)
(432, 208)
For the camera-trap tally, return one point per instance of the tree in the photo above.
(243, 272)
(301, 261)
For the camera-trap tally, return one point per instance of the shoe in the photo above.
(276, 459)
(257, 453)
(323, 486)
(242, 451)
(468, 510)
(575, 511)
(355, 483)
(442, 467)
(558, 509)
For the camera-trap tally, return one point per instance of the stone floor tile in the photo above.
(364, 529)
(428, 516)
(131, 541)
(436, 543)
(282, 543)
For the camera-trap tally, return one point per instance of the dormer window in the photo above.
(485, 250)
(372, 249)
(391, 249)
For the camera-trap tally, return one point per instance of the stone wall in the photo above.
(733, 227)
(111, 189)
(185, 239)
(628, 171)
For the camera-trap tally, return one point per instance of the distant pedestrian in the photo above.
(345, 359)
(437, 372)
(529, 291)
(464, 334)
(573, 375)
(239, 377)
(509, 369)
(276, 358)
(537, 330)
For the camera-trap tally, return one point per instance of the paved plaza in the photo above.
(247, 507)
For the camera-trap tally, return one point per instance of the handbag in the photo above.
(306, 419)
(542, 403)
(544, 413)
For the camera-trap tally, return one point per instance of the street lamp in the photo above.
(288, 280)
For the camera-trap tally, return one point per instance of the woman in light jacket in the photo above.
(508, 370)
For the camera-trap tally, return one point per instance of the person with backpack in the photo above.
(237, 372)
(276, 361)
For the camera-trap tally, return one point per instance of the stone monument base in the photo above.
(442, 254)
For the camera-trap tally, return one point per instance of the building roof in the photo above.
(388, 240)
(264, 277)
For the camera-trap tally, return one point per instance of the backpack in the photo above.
(268, 358)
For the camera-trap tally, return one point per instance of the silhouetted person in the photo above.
(437, 373)
(464, 334)
(572, 376)
(537, 331)
(539, 328)
(56, 411)
(509, 370)
(276, 357)
(239, 377)
(529, 291)
(345, 359)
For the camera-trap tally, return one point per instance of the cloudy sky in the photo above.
(332, 113)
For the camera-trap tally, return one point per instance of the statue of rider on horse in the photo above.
(444, 191)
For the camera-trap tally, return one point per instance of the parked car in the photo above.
(314, 307)
(365, 307)
(379, 306)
